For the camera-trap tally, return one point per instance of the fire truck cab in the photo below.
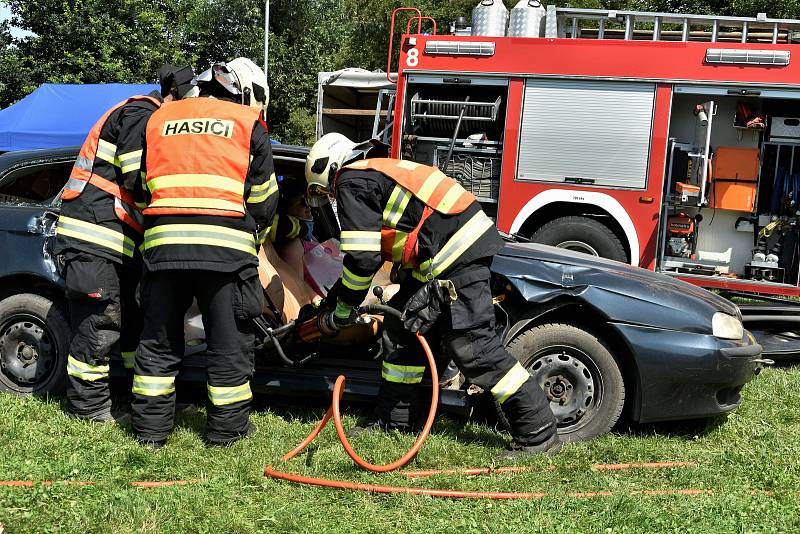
(664, 140)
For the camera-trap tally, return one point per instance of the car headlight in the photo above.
(726, 326)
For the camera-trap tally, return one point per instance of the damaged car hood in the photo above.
(620, 292)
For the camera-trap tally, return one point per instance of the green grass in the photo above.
(750, 461)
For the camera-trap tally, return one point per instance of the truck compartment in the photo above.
(458, 124)
(732, 187)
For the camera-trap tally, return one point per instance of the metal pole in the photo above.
(266, 38)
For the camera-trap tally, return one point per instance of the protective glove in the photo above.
(331, 322)
(344, 315)
(427, 304)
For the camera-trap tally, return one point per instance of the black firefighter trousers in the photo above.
(467, 332)
(104, 319)
(228, 302)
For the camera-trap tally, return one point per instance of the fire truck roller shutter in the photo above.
(597, 200)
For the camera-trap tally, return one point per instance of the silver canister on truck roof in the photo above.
(490, 18)
(527, 19)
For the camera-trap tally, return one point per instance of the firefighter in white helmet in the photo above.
(436, 232)
(210, 190)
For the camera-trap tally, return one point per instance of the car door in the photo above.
(29, 205)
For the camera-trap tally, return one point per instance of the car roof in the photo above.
(13, 159)
(10, 160)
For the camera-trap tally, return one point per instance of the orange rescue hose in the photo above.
(335, 412)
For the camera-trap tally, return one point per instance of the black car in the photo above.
(602, 338)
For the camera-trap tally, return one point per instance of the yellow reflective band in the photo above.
(128, 359)
(258, 188)
(96, 234)
(464, 238)
(396, 206)
(153, 386)
(295, 227)
(130, 156)
(356, 282)
(107, 152)
(361, 241)
(269, 189)
(399, 246)
(222, 396)
(85, 371)
(191, 203)
(131, 168)
(106, 146)
(273, 231)
(263, 234)
(451, 197)
(430, 185)
(510, 383)
(130, 161)
(210, 181)
(199, 234)
(402, 374)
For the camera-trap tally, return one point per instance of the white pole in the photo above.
(266, 38)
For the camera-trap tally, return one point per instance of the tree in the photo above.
(11, 84)
(96, 41)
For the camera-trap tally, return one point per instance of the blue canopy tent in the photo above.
(56, 115)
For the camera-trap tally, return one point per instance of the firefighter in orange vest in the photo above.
(98, 232)
(415, 216)
(210, 190)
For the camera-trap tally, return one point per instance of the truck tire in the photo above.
(34, 342)
(582, 234)
(579, 375)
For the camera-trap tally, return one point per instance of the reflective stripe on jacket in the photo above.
(199, 185)
(95, 149)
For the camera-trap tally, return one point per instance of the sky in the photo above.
(5, 14)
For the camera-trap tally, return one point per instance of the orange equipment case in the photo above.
(735, 179)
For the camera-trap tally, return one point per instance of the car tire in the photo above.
(34, 342)
(578, 373)
(582, 234)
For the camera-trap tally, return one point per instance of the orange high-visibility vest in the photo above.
(198, 156)
(83, 170)
(435, 189)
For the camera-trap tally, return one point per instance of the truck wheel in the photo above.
(582, 234)
(34, 341)
(577, 373)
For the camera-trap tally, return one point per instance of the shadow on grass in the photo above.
(688, 429)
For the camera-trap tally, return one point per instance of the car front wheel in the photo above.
(34, 341)
(579, 375)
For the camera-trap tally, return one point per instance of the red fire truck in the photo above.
(664, 140)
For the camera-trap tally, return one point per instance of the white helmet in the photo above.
(326, 157)
(241, 78)
(252, 82)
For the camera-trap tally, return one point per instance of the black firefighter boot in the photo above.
(522, 451)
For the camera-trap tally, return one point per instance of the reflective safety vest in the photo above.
(198, 156)
(437, 191)
(95, 149)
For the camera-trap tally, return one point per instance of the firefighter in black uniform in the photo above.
(210, 189)
(98, 232)
(416, 216)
